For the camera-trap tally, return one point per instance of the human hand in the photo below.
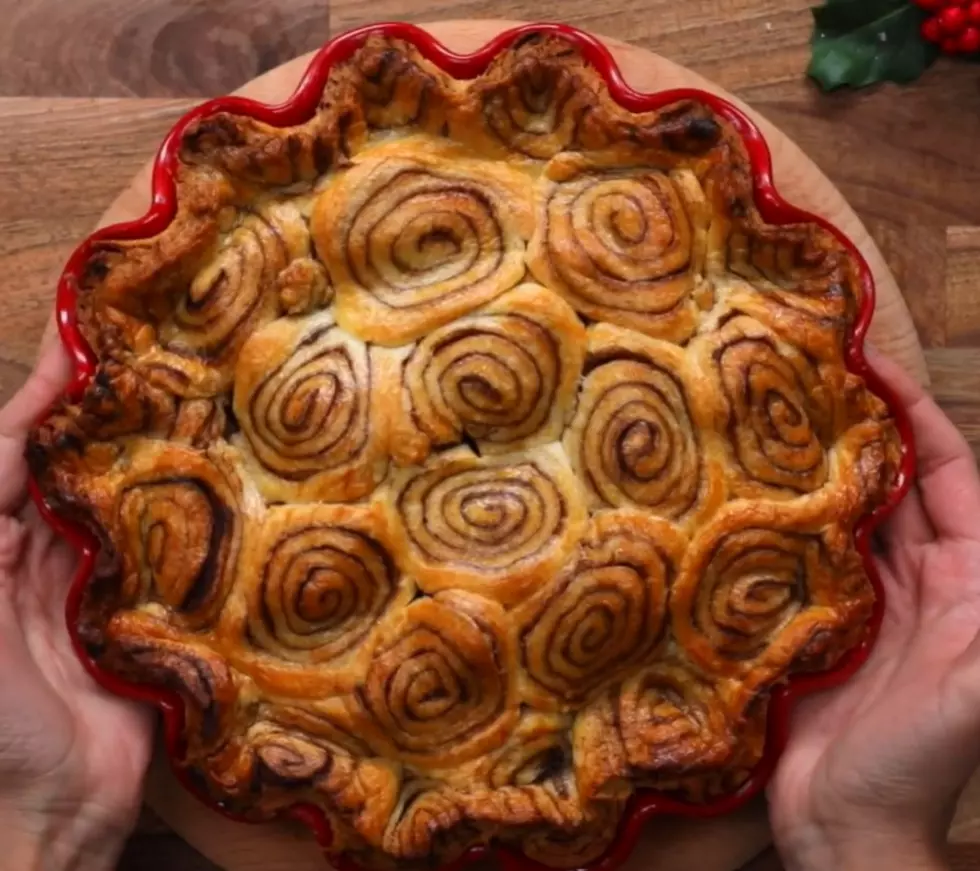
(72, 756)
(873, 769)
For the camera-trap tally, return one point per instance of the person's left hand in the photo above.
(72, 756)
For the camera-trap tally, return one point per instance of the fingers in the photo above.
(21, 413)
(948, 479)
(49, 339)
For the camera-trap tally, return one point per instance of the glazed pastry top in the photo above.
(470, 456)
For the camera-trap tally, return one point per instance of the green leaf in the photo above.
(860, 42)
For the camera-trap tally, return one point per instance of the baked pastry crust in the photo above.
(470, 456)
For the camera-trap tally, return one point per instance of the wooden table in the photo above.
(87, 90)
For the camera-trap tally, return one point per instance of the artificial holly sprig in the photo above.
(860, 42)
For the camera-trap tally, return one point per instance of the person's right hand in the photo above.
(873, 770)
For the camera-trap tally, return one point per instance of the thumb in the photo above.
(42, 387)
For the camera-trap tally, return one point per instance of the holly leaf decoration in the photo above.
(860, 42)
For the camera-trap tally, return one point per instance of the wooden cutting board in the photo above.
(669, 844)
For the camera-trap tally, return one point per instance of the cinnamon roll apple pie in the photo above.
(470, 457)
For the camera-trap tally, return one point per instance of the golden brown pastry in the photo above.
(505, 376)
(312, 403)
(626, 246)
(470, 457)
(415, 234)
(638, 437)
(496, 526)
(603, 614)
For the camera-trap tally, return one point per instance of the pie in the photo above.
(470, 457)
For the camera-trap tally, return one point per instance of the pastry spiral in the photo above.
(311, 403)
(283, 765)
(705, 784)
(400, 88)
(797, 281)
(324, 577)
(604, 613)
(532, 106)
(416, 236)
(780, 411)
(623, 246)
(663, 722)
(233, 294)
(143, 648)
(538, 753)
(257, 155)
(178, 524)
(761, 587)
(430, 821)
(527, 782)
(440, 686)
(641, 436)
(505, 376)
(498, 527)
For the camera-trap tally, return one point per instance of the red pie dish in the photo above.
(470, 454)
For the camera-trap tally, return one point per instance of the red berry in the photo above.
(973, 12)
(931, 31)
(952, 20)
(950, 45)
(954, 3)
(969, 41)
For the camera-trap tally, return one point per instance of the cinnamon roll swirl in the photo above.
(764, 587)
(415, 234)
(781, 414)
(234, 292)
(117, 402)
(258, 155)
(440, 687)
(796, 280)
(284, 767)
(641, 436)
(663, 722)
(269, 760)
(148, 651)
(534, 103)
(505, 376)
(400, 88)
(706, 785)
(527, 782)
(865, 460)
(177, 521)
(626, 246)
(604, 614)
(324, 577)
(537, 754)
(311, 402)
(430, 822)
(499, 527)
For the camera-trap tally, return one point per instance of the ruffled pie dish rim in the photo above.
(299, 108)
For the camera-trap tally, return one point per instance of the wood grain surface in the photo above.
(87, 90)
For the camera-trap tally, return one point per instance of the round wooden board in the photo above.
(723, 844)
